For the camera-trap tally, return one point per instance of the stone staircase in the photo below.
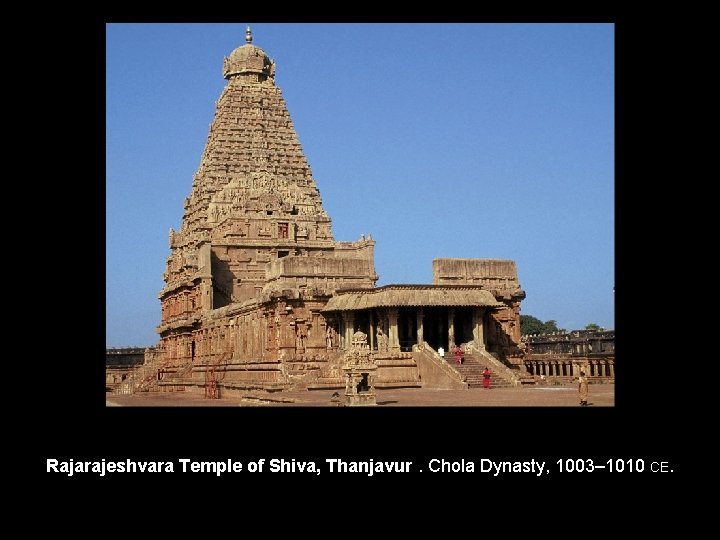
(176, 380)
(144, 377)
(139, 378)
(472, 368)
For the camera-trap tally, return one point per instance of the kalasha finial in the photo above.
(248, 35)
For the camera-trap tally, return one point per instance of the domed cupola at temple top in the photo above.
(249, 62)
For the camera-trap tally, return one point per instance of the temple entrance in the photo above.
(362, 322)
(435, 327)
(407, 328)
(363, 385)
(463, 325)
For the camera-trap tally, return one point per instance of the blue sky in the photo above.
(440, 140)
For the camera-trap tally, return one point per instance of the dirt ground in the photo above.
(601, 395)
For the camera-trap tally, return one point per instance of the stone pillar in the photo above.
(349, 322)
(409, 327)
(287, 334)
(611, 369)
(341, 332)
(393, 338)
(478, 315)
(451, 329)
(315, 336)
(205, 272)
(372, 330)
(515, 333)
(420, 334)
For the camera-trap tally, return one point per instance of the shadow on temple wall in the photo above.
(222, 281)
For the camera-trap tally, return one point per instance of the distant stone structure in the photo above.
(259, 293)
(562, 355)
(119, 362)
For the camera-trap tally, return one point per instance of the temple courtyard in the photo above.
(601, 395)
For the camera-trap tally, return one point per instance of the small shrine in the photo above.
(359, 372)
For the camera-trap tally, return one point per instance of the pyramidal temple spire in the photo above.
(253, 187)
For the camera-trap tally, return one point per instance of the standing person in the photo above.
(458, 354)
(486, 378)
(441, 351)
(583, 389)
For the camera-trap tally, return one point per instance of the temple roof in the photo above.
(412, 295)
(248, 59)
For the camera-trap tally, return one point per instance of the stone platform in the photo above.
(601, 395)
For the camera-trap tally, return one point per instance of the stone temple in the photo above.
(259, 295)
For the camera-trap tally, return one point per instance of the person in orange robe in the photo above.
(486, 378)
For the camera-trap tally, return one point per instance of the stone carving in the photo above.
(382, 341)
(359, 340)
(359, 370)
(300, 337)
(330, 337)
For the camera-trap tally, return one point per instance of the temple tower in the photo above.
(253, 223)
